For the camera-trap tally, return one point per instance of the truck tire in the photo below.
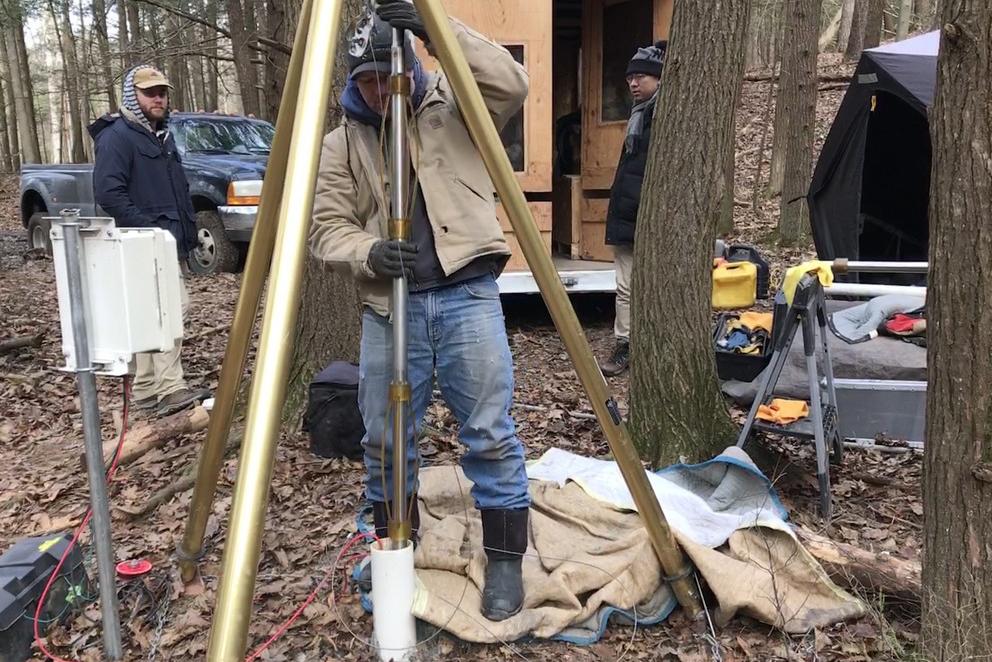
(39, 233)
(215, 252)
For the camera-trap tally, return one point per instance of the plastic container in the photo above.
(733, 365)
(745, 253)
(734, 285)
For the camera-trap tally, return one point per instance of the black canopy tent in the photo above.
(871, 186)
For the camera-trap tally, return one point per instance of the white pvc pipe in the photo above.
(393, 586)
(872, 290)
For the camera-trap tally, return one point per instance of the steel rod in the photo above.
(89, 407)
(238, 341)
(483, 131)
(871, 290)
(843, 265)
(228, 637)
(399, 228)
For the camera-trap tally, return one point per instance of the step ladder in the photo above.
(808, 304)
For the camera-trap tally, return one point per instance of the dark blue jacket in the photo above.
(139, 180)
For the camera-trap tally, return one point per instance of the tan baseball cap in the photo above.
(148, 77)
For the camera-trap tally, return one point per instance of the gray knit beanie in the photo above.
(648, 60)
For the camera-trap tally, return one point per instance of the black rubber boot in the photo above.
(620, 360)
(504, 537)
(380, 521)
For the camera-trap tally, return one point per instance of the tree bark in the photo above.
(67, 47)
(6, 163)
(212, 93)
(905, 19)
(859, 569)
(20, 81)
(240, 40)
(855, 41)
(764, 28)
(136, 42)
(10, 109)
(874, 16)
(957, 463)
(154, 434)
(846, 19)
(797, 99)
(277, 62)
(923, 10)
(103, 47)
(829, 35)
(122, 41)
(676, 406)
(175, 65)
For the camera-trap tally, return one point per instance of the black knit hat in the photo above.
(371, 45)
(648, 60)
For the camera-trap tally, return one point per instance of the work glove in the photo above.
(402, 15)
(392, 258)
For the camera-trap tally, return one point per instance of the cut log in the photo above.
(858, 569)
(155, 434)
(21, 342)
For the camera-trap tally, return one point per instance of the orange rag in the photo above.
(783, 412)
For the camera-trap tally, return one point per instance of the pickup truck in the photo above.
(224, 158)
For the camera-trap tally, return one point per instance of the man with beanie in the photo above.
(455, 319)
(139, 180)
(643, 76)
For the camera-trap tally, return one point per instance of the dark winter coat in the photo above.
(139, 180)
(625, 196)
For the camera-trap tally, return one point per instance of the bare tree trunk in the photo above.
(174, 68)
(136, 42)
(67, 48)
(829, 35)
(56, 84)
(10, 109)
(103, 45)
(85, 66)
(873, 23)
(6, 162)
(855, 42)
(764, 29)
(329, 326)
(957, 463)
(676, 406)
(846, 18)
(905, 19)
(797, 97)
(122, 38)
(211, 101)
(247, 77)
(923, 10)
(30, 150)
(276, 62)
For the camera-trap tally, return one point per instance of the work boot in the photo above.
(504, 537)
(380, 521)
(144, 404)
(620, 360)
(179, 400)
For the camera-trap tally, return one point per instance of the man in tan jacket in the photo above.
(455, 319)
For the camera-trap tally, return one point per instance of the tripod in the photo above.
(822, 425)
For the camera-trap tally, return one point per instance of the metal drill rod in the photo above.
(675, 568)
(86, 383)
(256, 268)
(398, 525)
(843, 265)
(229, 633)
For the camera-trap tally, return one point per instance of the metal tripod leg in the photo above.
(836, 442)
(772, 372)
(822, 461)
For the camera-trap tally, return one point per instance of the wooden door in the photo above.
(524, 28)
(613, 30)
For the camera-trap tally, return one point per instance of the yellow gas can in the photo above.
(734, 285)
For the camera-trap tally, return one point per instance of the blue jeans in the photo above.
(459, 332)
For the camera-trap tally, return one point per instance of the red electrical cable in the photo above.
(310, 598)
(79, 531)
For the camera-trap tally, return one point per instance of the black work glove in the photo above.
(392, 258)
(402, 15)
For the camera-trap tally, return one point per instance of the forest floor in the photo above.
(313, 501)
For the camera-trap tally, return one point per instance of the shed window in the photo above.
(513, 133)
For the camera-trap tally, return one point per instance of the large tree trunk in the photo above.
(923, 10)
(6, 163)
(276, 62)
(10, 110)
(103, 47)
(846, 19)
(874, 16)
(957, 463)
(763, 32)
(175, 67)
(797, 98)
(135, 43)
(20, 83)
(67, 47)
(247, 74)
(905, 19)
(32, 150)
(855, 41)
(329, 326)
(676, 406)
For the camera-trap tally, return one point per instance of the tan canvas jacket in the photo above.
(352, 193)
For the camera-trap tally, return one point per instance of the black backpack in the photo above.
(332, 417)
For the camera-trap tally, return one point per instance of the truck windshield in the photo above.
(224, 137)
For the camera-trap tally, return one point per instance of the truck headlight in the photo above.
(244, 192)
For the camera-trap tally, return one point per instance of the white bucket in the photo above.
(393, 586)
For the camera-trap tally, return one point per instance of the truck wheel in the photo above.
(39, 233)
(215, 252)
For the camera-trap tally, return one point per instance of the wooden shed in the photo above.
(565, 142)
